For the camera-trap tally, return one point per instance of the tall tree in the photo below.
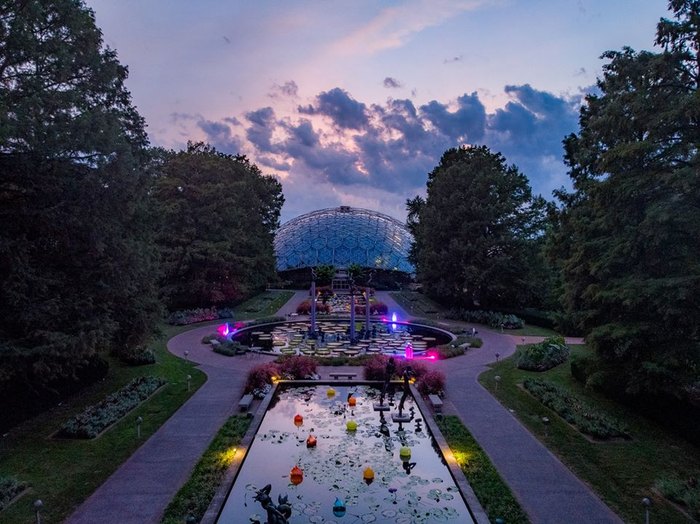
(473, 233)
(75, 263)
(627, 237)
(219, 215)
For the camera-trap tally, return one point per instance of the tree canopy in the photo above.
(76, 266)
(626, 240)
(218, 217)
(475, 231)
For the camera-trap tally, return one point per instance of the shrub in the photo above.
(230, 348)
(431, 383)
(582, 368)
(191, 316)
(683, 492)
(375, 367)
(543, 356)
(304, 308)
(297, 367)
(94, 419)
(375, 308)
(10, 487)
(138, 356)
(493, 319)
(574, 411)
(447, 351)
(264, 320)
(260, 378)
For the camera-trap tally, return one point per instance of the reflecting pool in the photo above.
(383, 471)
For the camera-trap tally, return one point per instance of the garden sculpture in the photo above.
(276, 514)
(407, 374)
(388, 373)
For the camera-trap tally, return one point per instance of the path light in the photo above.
(187, 354)
(138, 426)
(497, 378)
(189, 381)
(545, 421)
(646, 502)
(191, 519)
(38, 504)
(498, 355)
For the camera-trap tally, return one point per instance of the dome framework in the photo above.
(343, 236)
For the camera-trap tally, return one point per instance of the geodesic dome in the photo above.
(342, 236)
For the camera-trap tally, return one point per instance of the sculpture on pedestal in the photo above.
(276, 514)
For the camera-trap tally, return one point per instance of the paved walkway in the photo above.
(142, 487)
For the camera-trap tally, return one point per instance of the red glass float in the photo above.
(296, 476)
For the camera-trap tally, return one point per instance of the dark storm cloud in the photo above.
(219, 135)
(395, 144)
(260, 133)
(465, 124)
(345, 111)
(392, 83)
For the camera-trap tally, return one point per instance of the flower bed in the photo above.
(10, 487)
(576, 412)
(94, 419)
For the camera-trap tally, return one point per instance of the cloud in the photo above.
(344, 111)
(392, 83)
(289, 89)
(465, 124)
(344, 151)
(395, 26)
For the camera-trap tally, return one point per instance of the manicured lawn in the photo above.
(621, 472)
(493, 494)
(62, 473)
(265, 304)
(196, 495)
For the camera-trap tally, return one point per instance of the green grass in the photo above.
(418, 305)
(621, 472)
(493, 494)
(196, 495)
(63, 473)
(263, 305)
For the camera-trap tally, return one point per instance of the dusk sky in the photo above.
(353, 103)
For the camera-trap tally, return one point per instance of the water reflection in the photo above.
(411, 486)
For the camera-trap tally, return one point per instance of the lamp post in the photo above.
(646, 502)
(187, 354)
(138, 426)
(189, 382)
(313, 300)
(352, 311)
(497, 378)
(38, 504)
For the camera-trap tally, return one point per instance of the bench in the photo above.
(435, 403)
(245, 402)
(348, 376)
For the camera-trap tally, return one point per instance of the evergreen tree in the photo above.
(76, 269)
(218, 219)
(474, 234)
(627, 237)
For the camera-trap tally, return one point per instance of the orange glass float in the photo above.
(368, 475)
(352, 401)
(298, 420)
(311, 442)
(296, 476)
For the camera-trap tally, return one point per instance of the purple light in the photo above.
(224, 330)
(409, 352)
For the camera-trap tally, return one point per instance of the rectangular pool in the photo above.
(406, 489)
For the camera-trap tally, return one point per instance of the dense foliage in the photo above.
(492, 319)
(76, 258)
(626, 238)
(218, 218)
(586, 418)
(95, 419)
(477, 234)
(544, 355)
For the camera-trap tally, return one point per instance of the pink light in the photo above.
(224, 330)
(409, 352)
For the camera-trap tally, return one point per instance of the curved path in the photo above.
(142, 487)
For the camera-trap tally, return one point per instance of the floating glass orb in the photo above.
(296, 476)
(351, 425)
